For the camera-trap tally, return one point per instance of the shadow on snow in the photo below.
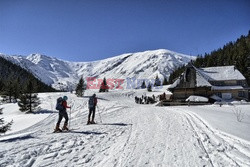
(44, 112)
(17, 138)
(100, 98)
(116, 124)
(88, 132)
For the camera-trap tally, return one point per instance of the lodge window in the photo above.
(242, 83)
(218, 94)
(241, 94)
(239, 82)
(218, 83)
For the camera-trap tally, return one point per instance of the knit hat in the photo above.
(65, 98)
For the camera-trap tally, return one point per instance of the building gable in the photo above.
(209, 81)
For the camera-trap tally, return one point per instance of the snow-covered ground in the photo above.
(127, 134)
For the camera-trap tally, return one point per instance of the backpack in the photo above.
(59, 104)
(91, 102)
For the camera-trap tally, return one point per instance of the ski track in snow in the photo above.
(130, 135)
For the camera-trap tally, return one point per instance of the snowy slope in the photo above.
(51, 71)
(130, 135)
(144, 65)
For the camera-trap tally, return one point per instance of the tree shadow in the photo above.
(117, 124)
(86, 97)
(44, 112)
(17, 138)
(100, 98)
(88, 132)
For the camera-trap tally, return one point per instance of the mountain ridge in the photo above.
(62, 74)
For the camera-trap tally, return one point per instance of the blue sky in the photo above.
(86, 30)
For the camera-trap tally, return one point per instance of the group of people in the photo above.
(63, 113)
(92, 103)
(145, 99)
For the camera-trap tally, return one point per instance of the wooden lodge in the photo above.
(215, 83)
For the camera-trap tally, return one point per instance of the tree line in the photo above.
(19, 85)
(104, 87)
(13, 76)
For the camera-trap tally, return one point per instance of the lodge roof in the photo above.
(222, 73)
(204, 76)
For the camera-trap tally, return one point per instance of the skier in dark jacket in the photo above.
(92, 106)
(63, 113)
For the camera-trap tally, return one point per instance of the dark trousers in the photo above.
(91, 111)
(63, 114)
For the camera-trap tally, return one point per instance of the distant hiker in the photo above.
(62, 106)
(153, 96)
(164, 96)
(140, 100)
(137, 99)
(92, 106)
(147, 100)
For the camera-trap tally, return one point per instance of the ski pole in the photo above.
(69, 117)
(99, 114)
(70, 113)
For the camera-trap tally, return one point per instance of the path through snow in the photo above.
(130, 135)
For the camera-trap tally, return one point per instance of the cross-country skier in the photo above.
(92, 106)
(63, 113)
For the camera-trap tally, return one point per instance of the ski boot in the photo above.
(92, 122)
(57, 129)
(65, 128)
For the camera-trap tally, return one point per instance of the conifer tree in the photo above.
(29, 100)
(9, 90)
(248, 69)
(4, 127)
(149, 88)
(176, 74)
(157, 81)
(1, 86)
(80, 88)
(104, 87)
(165, 81)
(143, 85)
(16, 88)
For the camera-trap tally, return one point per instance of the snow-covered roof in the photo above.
(222, 73)
(201, 81)
(215, 97)
(197, 99)
(175, 83)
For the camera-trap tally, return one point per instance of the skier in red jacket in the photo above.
(63, 113)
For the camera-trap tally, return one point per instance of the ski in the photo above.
(91, 123)
(65, 131)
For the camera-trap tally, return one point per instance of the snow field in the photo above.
(129, 135)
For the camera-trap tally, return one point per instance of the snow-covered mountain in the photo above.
(143, 65)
